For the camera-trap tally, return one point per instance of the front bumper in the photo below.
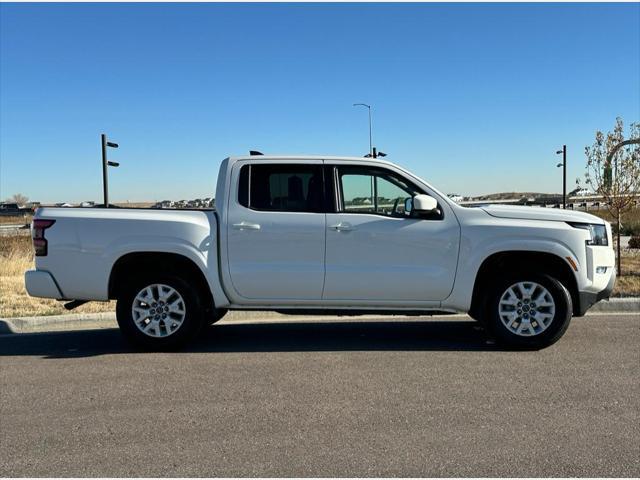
(587, 299)
(40, 283)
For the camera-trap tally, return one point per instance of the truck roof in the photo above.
(258, 158)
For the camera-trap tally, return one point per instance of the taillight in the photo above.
(37, 234)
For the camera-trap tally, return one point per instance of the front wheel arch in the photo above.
(520, 261)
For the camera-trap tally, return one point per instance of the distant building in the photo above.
(195, 203)
(163, 204)
(580, 192)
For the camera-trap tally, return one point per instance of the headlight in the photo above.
(598, 233)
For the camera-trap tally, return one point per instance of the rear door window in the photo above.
(281, 187)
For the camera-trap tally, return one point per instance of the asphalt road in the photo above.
(349, 398)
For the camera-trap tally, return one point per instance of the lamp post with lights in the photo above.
(105, 164)
(564, 174)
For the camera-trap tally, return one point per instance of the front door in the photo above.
(276, 231)
(378, 252)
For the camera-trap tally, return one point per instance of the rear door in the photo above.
(276, 230)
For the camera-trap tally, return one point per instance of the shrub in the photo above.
(631, 229)
(634, 242)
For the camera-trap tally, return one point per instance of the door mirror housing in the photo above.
(423, 204)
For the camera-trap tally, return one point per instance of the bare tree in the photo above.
(19, 198)
(613, 171)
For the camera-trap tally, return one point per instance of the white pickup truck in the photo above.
(320, 234)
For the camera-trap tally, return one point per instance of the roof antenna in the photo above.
(255, 152)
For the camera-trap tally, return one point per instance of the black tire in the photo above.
(556, 327)
(191, 321)
(216, 315)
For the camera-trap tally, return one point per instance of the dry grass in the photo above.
(9, 220)
(16, 256)
(629, 283)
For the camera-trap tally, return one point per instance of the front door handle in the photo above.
(246, 226)
(341, 227)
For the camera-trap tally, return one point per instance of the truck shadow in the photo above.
(265, 337)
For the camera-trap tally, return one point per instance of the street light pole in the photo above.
(105, 179)
(370, 136)
(564, 175)
(106, 163)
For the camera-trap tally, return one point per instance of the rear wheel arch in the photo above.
(513, 261)
(133, 264)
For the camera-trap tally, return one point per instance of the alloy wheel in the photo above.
(158, 310)
(526, 309)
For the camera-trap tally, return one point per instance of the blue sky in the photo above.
(475, 98)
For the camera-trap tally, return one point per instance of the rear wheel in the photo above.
(529, 310)
(159, 311)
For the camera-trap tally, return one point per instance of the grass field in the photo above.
(8, 220)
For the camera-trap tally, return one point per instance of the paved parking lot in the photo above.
(346, 398)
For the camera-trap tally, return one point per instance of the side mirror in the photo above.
(424, 204)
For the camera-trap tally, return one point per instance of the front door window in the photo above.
(367, 190)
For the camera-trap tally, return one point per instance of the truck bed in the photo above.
(85, 243)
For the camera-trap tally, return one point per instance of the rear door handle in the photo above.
(246, 226)
(341, 227)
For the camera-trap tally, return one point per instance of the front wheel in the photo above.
(529, 311)
(159, 311)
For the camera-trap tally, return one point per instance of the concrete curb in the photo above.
(618, 305)
(7, 327)
(79, 321)
(68, 321)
